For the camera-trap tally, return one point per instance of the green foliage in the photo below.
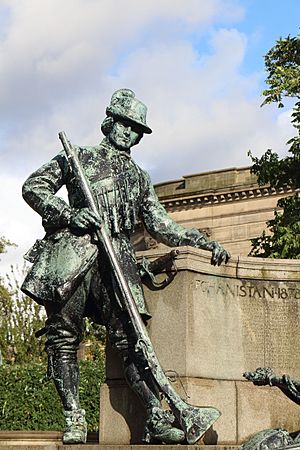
(283, 67)
(29, 402)
(4, 243)
(284, 242)
(20, 317)
(95, 337)
(282, 64)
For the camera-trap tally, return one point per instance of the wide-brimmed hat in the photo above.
(124, 105)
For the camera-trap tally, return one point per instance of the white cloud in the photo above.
(52, 46)
(205, 114)
(59, 54)
(18, 224)
(61, 60)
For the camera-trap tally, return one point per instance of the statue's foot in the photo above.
(197, 420)
(170, 435)
(159, 428)
(76, 429)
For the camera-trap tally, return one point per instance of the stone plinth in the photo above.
(51, 440)
(42, 440)
(209, 326)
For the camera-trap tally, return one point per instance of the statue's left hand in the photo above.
(262, 376)
(219, 254)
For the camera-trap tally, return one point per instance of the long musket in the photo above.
(195, 421)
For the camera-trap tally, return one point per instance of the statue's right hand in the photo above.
(84, 221)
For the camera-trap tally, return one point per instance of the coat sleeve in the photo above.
(39, 192)
(164, 229)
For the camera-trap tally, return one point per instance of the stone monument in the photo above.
(86, 266)
(216, 324)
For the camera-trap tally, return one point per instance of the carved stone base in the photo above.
(21, 446)
(51, 440)
(209, 326)
(246, 409)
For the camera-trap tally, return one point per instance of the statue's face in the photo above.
(123, 135)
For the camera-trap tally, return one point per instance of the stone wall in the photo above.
(227, 204)
(209, 326)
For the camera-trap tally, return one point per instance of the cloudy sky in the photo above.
(197, 64)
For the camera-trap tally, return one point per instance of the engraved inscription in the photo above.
(265, 320)
(261, 290)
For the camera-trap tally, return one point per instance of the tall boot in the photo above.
(64, 370)
(76, 429)
(159, 422)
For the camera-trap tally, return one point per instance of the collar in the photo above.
(108, 145)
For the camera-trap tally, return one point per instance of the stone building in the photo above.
(227, 204)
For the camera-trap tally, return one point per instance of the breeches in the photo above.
(98, 297)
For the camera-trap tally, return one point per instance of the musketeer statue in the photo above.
(86, 266)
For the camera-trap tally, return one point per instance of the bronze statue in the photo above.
(274, 438)
(86, 266)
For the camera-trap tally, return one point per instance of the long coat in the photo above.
(125, 197)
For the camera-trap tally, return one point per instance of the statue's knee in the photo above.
(61, 346)
(60, 356)
(131, 373)
(121, 345)
(122, 340)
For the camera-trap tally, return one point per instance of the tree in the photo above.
(20, 318)
(282, 240)
(4, 243)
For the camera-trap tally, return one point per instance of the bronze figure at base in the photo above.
(274, 438)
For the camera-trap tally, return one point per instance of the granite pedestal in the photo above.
(209, 326)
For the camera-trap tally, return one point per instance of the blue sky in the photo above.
(197, 64)
(264, 22)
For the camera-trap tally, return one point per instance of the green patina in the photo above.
(73, 277)
(274, 438)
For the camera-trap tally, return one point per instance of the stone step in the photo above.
(51, 440)
(56, 446)
(36, 440)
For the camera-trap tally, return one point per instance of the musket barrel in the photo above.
(76, 166)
